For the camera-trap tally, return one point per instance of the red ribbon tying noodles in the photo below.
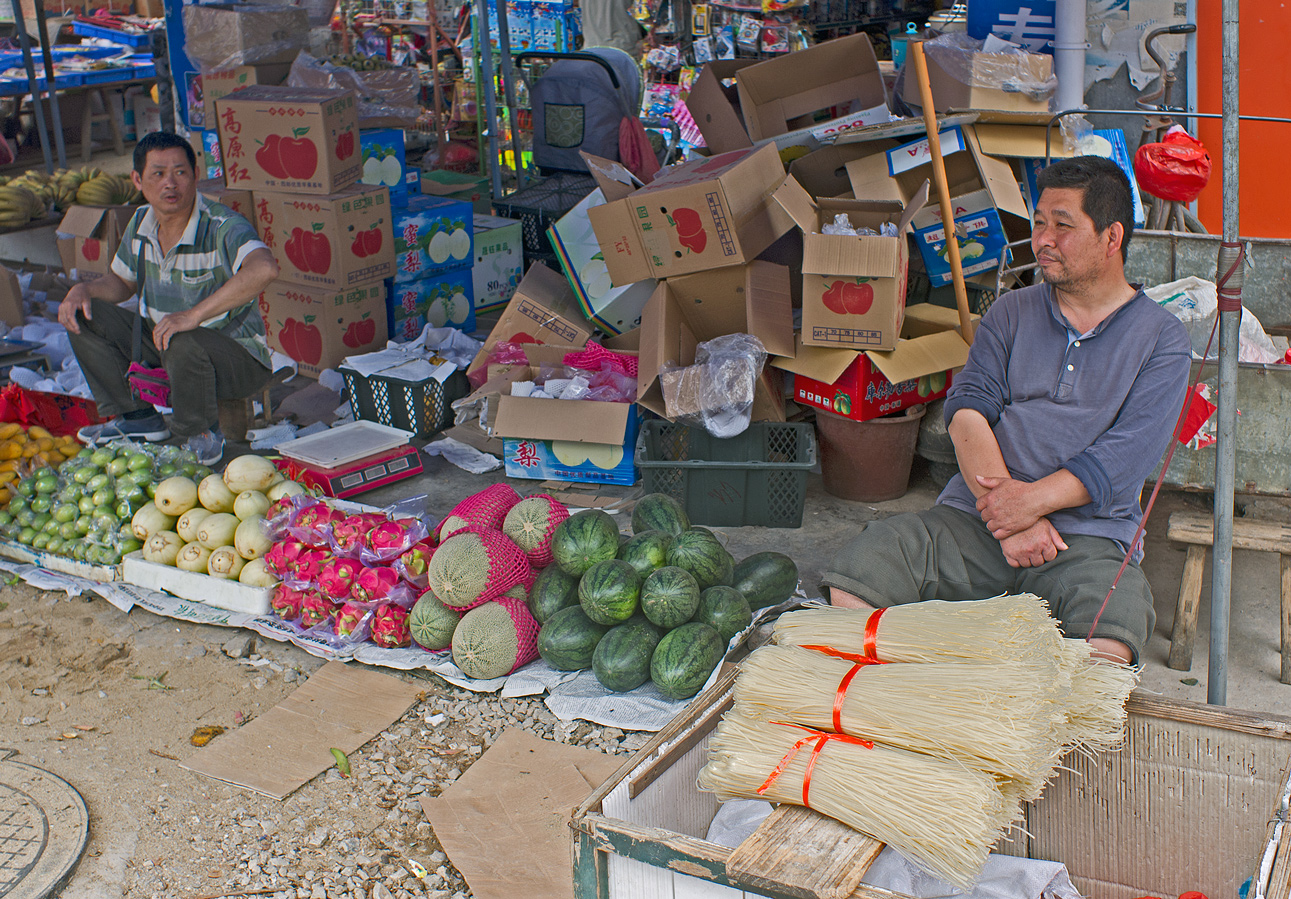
(820, 738)
(872, 634)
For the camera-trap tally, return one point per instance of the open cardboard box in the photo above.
(714, 104)
(694, 216)
(542, 310)
(88, 237)
(823, 172)
(853, 288)
(950, 92)
(684, 312)
(10, 298)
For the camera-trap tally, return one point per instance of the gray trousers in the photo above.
(946, 553)
(203, 365)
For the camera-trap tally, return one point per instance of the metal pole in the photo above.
(56, 118)
(37, 107)
(485, 49)
(1230, 320)
(508, 90)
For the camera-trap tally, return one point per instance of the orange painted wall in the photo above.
(1264, 51)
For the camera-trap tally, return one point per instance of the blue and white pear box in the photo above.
(432, 235)
(441, 300)
(384, 162)
(979, 232)
(568, 440)
(499, 260)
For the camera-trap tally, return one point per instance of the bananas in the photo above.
(32, 194)
(107, 190)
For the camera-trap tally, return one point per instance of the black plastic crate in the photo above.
(756, 478)
(422, 407)
(540, 206)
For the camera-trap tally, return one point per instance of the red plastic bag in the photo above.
(57, 413)
(1176, 169)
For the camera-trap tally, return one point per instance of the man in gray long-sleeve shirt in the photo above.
(1068, 401)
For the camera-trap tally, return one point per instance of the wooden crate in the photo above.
(1184, 805)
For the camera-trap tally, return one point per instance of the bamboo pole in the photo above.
(943, 189)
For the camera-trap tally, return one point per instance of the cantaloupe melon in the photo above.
(494, 639)
(531, 522)
(459, 570)
(432, 623)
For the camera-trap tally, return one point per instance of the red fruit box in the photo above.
(319, 327)
(55, 412)
(334, 241)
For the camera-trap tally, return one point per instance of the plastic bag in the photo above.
(388, 98)
(962, 58)
(1195, 303)
(716, 393)
(219, 36)
(1175, 169)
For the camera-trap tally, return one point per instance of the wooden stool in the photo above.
(1198, 532)
(89, 117)
(237, 416)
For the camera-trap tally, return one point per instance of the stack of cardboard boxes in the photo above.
(297, 152)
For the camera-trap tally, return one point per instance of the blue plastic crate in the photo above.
(104, 76)
(84, 29)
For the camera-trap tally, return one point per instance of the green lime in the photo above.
(66, 512)
(104, 497)
(102, 456)
(25, 517)
(132, 492)
(54, 544)
(27, 487)
(98, 482)
(137, 461)
(5, 518)
(18, 503)
(124, 509)
(85, 453)
(41, 519)
(67, 530)
(118, 466)
(86, 505)
(83, 475)
(78, 551)
(41, 503)
(40, 541)
(130, 545)
(150, 489)
(166, 470)
(83, 525)
(26, 535)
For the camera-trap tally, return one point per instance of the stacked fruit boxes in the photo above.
(432, 282)
(297, 151)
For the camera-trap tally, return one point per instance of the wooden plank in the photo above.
(1184, 633)
(801, 853)
(1185, 712)
(1263, 536)
(1286, 619)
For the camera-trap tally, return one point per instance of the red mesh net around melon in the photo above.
(594, 356)
(526, 630)
(488, 508)
(508, 564)
(540, 556)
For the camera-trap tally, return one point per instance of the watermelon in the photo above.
(725, 610)
(621, 661)
(659, 512)
(700, 553)
(766, 579)
(609, 592)
(552, 591)
(582, 540)
(670, 596)
(684, 659)
(568, 639)
(646, 552)
(432, 623)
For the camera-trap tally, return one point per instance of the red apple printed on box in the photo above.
(345, 144)
(301, 340)
(91, 249)
(689, 227)
(309, 251)
(367, 243)
(849, 296)
(289, 158)
(360, 333)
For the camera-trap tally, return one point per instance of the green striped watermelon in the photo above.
(646, 552)
(568, 639)
(609, 591)
(659, 512)
(766, 579)
(552, 591)
(622, 659)
(670, 596)
(684, 659)
(700, 553)
(725, 609)
(582, 540)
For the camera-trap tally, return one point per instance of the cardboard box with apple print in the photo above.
(853, 287)
(431, 235)
(331, 241)
(444, 300)
(293, 140)
(320, 327)
(88, 237)
(237, 200)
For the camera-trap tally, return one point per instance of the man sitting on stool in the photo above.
(202, 270)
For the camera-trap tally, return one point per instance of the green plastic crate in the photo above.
(756, 478)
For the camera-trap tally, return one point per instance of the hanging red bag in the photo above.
(1175, 169)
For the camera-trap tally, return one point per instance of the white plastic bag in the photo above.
(1195, 302)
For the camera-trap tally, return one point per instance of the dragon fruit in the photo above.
(286, 601)
(390, 537)
(282, 556)
(315, 609)
(348, 534)
(279, 507)
(416, 558)
(390, 626)
(348, 619)
(309, 564)
(338, 576)
(374, 583)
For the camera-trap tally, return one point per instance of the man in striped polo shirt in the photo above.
(198, 268)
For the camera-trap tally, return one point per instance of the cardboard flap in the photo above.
(818, 363)
(611, 177)
(917, 202)
(1018, 141)
(83, 221)
(769, 306)
(859, 257)
(795, 200)
(921, 356)
(581, 421)
(711, 107)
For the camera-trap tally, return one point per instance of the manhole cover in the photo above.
(44, 826)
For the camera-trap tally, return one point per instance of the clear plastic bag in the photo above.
(716, 393)
(388, 98)
(224, 36)
(962, 58)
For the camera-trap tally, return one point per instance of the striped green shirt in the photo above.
(211, 250)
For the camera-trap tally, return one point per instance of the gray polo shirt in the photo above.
(1102, 405)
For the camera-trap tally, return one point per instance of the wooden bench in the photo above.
(1198, 532)
(237, 416)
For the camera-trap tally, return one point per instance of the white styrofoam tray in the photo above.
(11, 549)
(212, 591)
(344, 443)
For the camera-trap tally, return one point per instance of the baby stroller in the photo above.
(578, 103)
